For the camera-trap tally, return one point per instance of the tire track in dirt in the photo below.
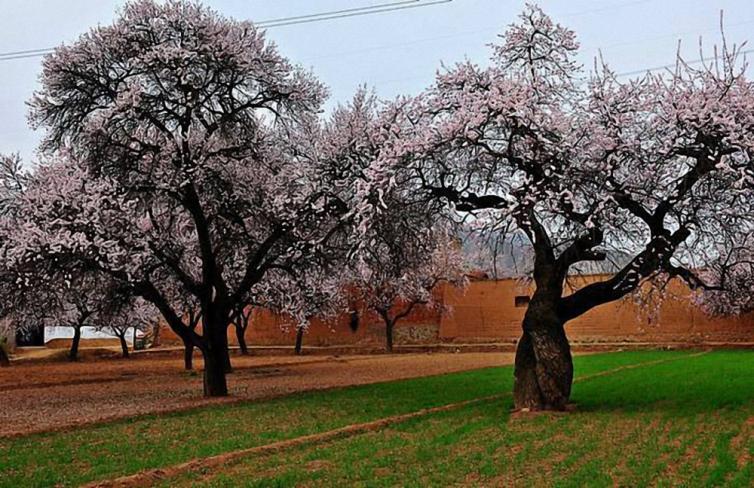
(153, 476)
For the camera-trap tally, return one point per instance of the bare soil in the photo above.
(48, 396)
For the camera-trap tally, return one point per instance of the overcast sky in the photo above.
(396, 52)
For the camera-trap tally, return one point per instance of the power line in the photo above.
(672, 65)
(356, 14)
(286, 21)
(336, 12)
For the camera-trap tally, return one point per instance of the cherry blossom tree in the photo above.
(13, 182)
(735, 270)
(181, 148)
(241, 321)
(656, 168)
(76, 301)
(396, 279)
(126, 316)
(321, 296)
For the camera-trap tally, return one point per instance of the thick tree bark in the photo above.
(188, 356)
(299, 341)
(241, 338)
(215, 363)
(215, 353)
(123, 346)
(73, 354)
(544, 367)
(225, 351)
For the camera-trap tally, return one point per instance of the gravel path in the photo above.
(56, 396)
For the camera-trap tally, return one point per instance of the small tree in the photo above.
(658, 169)
(84, 300)
(127, 315)
(322, 298)
(241, 321)
(393, 284)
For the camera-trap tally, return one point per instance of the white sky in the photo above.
(396, 52)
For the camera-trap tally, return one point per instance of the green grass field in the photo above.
(688, 421)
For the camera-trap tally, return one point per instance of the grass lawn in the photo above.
(686, 421)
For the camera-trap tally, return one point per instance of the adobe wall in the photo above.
(487, 312)
(421, 326)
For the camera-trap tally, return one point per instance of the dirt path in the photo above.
(57, 396)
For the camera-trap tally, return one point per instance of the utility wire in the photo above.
(336, 12)
(356, 14)
(672, 65)
(299, 19)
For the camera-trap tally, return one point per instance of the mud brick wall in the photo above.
(488, 311)
(491, 311)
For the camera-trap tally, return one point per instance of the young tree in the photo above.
(127, 315)
(321, 296)
(76, 301)
(657, 168)
(184, 151)
(241, 321)
(401, 275)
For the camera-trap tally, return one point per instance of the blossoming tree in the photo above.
(393, 284)
(127, 315)
(735, 270)
(182, 141)
(13, 181)
(657, 169)
(75, 300)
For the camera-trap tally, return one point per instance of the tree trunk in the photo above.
(123, 346)
(156, 335)
(188, 356)
(224, 351)
(241, 338)
(4, 359)
(299, 341)
(215, 352)
(544, 367)
(73, 354)
(215, 364)
(389, 336)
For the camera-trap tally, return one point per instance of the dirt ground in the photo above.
(48, 396)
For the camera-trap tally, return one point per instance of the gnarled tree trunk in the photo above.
(544, 366)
